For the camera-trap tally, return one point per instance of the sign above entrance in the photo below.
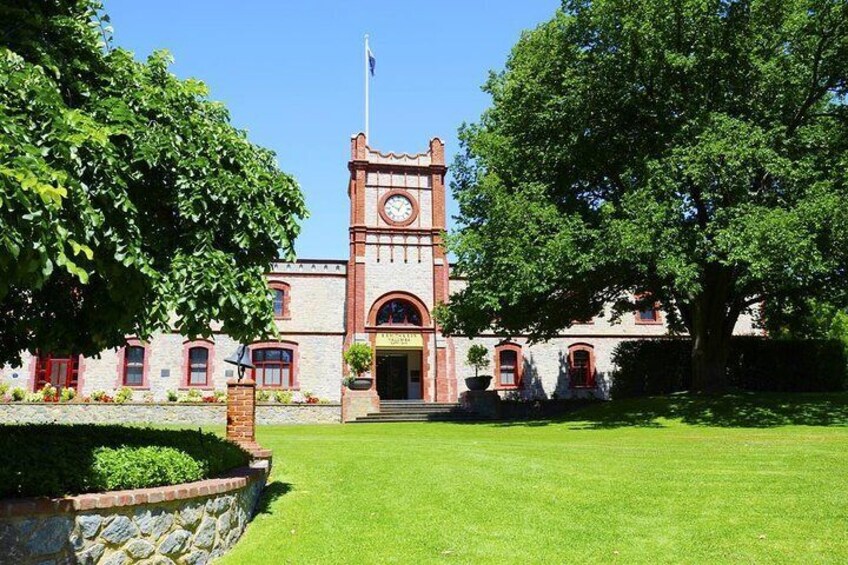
(387, 340)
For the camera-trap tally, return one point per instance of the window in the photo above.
(198, 366)
(650, 314)
(134, 365)
(274, 367)
(398, 312)
(508, 361)
(56, 369)
(581, 366)
(281, 299)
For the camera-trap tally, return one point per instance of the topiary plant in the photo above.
(477, 358)
(358, 360)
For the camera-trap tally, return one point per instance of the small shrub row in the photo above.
(664, 366)
(287, 397)
(56, 460)
(119, 396)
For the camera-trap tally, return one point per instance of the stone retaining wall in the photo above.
(191, 523)
(162, 413)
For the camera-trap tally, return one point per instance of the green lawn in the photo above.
(738, 480)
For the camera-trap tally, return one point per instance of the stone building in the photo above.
(382, 294)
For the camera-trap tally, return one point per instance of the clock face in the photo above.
(398, 208)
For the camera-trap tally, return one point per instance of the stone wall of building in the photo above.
(319, 367)
(191, 523)
(182, 414)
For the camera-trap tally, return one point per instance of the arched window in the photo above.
(281, 299)
(398, 312)
(581, 366)
(58, 370)
(134, 365)
(274, 367)
(198, 366)
(508, 365)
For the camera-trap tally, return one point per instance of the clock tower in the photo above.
(398, 270)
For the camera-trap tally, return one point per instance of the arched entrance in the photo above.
(399, 346)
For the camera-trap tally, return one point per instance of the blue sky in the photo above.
(291, 73)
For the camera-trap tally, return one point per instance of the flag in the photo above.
(372, 61)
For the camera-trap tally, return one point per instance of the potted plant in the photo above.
(358, 360)
(478, 358)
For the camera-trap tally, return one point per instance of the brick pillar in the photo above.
(241, 416)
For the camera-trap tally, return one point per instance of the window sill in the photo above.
(136, 387)
(508, 387)
(272, 387)
(649, 323)
(194, 387)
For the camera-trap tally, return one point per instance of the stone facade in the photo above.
(189, 524)
(397, 221)
(157, 413)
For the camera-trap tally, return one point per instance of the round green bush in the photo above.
(140, 467)
(61, 459)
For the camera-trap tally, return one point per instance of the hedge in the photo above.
(58, 460)
(664, 366)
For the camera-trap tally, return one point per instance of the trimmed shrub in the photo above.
(56, 460)
(664, 366)
(139, 467)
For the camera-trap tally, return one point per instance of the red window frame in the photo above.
(44, 368)
(406, 307)
(127, 364)
(185, 365)
(123, 362)
(517, 369)
(585, 378)
(285, 289)
(260, 366)
(190, 366)
(655, 317)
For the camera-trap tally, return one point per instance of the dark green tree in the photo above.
(687, 151)
(128, 203)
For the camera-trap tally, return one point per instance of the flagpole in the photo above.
(367, 81)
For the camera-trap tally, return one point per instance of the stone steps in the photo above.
(417, 411)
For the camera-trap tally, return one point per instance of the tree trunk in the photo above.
(713, 315)
(709, 361)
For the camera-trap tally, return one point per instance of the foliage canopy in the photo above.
(128, 202)
(691, 152)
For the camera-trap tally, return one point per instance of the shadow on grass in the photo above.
(272, 492)
(739, 410)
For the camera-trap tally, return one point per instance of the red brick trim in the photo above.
(389, 296)
(185, 367)
(145, 368)
(591, 350)
(286, 288)
(33, 369)
(658, 319)
(281, 344)
(405, 194)
(234, 480)
(519, 365)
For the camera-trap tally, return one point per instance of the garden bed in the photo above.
(58, 460)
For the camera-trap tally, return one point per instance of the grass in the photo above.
(742, 479)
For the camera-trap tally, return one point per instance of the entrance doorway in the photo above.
(399, 375)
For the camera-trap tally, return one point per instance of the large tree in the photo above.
(128, 202)
(691, 152)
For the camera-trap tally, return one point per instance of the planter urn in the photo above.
(360, 383)
(480, 382)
